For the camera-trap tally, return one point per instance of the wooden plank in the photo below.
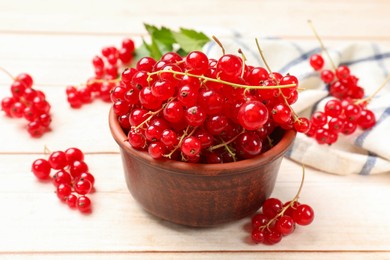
(121, 17)
(40, 223)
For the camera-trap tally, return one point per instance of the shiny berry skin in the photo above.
(156, 150)
(195, 116)
(190, 146)
(173, 112)
(272, 236)
(25, 79)
(303, 215)
(259, 220)
(197, 62)
(302, 125)
(71, 200)
(319, 119)
(84, 204)
(366, 119)
(281, 113)
(61, 176)
(58, 160)
(82, 186)
(252, 115)
(258, 236)
(74, 154)
(77, 168)
(333, 108)
(271, 207)
(63, 191)
(285, 225)
(316, 61)
(327, 76)
(41, 168)
(342, 72)
(229, 66)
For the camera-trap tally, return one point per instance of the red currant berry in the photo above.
(41, 168)
(197, 62)
(73, 154)
(252, 115)
(63, 191)
(82, 186)
(303, 215)
(62, 176)
(316, 61)
(258, 236)
(366, 119)
(327, 76)
(190, 146)
(285, 225)
(271, 207)
(58, 160)
(84, 204)
(71, 200)
(342, 72)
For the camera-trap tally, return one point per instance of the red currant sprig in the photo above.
(72, 178)
(348, 110)
(277, 220)
(197, 109)
(107, 67)
(28, 103)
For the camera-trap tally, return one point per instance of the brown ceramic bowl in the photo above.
(200, 194)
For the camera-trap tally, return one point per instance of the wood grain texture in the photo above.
(55, 42)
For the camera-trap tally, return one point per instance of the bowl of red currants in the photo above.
(202, 140)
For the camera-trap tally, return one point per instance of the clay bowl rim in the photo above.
(196, 168)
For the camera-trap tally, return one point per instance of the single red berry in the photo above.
(84, 204)
(63, 191)
(252, 115)
(77, 168)
(316, 61)
(303, 215)
(271, 207)
(190, 146)
(41, 168)
(73, 154)
(82, 186)
(327, 76)
(367, 119)
(197, 62)
(58, 160)
(342, 72)
(62, 176)
(71, 200)
(285, 225)
(258, 236)
(259, 220)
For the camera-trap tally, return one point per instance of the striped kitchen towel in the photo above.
(363, 152)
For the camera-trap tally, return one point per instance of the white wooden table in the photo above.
(55, 42)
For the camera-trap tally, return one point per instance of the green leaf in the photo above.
(164, 40)
(190, 40)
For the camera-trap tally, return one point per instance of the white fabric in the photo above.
(364, 152)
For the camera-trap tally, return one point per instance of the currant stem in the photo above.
(295, 116)
(219, 43)
(225, 143)
(7, 73)
(369, 98)
(321, 44)
(262, 56)
(152, 114)
(291, 204)
(244, 59)
(181, 140)
(218, 80)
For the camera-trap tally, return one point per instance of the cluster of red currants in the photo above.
(346, 111)
(107, 67)
(72, 178)
(197, 109)
(29, 103)
(277, 220)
